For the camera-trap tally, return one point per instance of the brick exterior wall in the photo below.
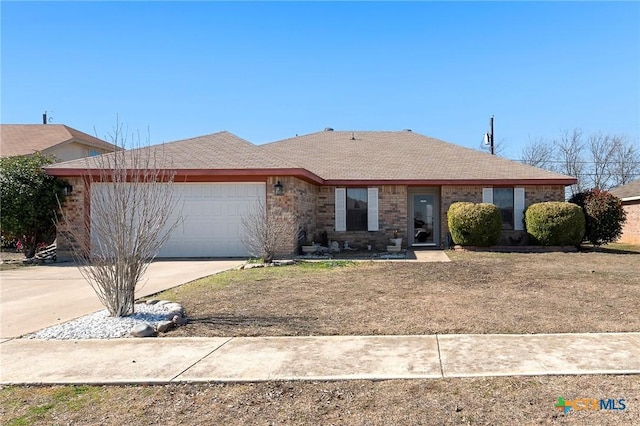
(473, 193)
(631, 228)
(314, 206)
(75, 210)
(299, 198)
(392, 215)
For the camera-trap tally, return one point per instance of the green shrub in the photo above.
(474, 224)
(555, 223)
(603, 213)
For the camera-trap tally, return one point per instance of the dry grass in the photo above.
(496, 401)
(11, 259)
(475, 293)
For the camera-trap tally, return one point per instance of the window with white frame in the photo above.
(510, 201)
(503, 199)
(356, 209)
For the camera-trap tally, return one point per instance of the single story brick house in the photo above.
(357, 186)
(630, 196)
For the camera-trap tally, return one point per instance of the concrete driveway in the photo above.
(33, 298)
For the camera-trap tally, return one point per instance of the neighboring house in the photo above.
(359, 186)
(63, 142)
(630, 196)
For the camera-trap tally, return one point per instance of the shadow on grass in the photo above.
(611, 250)
(292, 325)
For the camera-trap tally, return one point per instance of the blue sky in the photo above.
(267, 71)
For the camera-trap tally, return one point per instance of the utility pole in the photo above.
(491, 136)
(488, 137)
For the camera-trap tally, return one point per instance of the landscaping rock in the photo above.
(175, 312)
(142, 330)
(178, 320)
(176, 307)
(253, 265)
(164, 326)
(152, 301)
(163, 302)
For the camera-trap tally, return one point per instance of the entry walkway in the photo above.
(241, 359)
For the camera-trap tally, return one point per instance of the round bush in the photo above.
(555, 223)
(604, 215)
(474, 224)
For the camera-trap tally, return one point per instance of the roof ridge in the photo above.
(198, 137)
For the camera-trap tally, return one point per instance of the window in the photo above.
(357, 209)
(503, 199)
(510, 201)
(93, 153)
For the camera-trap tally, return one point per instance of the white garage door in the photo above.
(212, 215)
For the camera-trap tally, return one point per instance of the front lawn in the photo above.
(477, 401)
(475, 293)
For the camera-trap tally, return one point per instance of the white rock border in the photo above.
(149, 319)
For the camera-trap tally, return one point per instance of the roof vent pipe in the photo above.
(328, 129)
(44, 118)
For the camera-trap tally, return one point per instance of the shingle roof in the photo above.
(630, 190)
(25, 139)
(338, 157)
(406, 156)
(221, 150)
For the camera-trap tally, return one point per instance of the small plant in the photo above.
(474, 224)
(555, 223)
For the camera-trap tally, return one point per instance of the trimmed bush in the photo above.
(603, 213)
(555, 223)
(474, 224)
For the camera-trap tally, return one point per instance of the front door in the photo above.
(424, 222)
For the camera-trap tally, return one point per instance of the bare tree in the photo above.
(267, 234)
(570, 161)
(603, 161)
(499, 148)
(132, 215)
(625, 162)
(539, 153)
(600, 149)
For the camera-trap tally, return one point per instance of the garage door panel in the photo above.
(212, 219)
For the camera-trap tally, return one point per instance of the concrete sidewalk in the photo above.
(242, 359)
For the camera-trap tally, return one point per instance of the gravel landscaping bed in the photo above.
(100, 325)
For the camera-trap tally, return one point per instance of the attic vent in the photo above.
(406, 130)
(328, 129)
